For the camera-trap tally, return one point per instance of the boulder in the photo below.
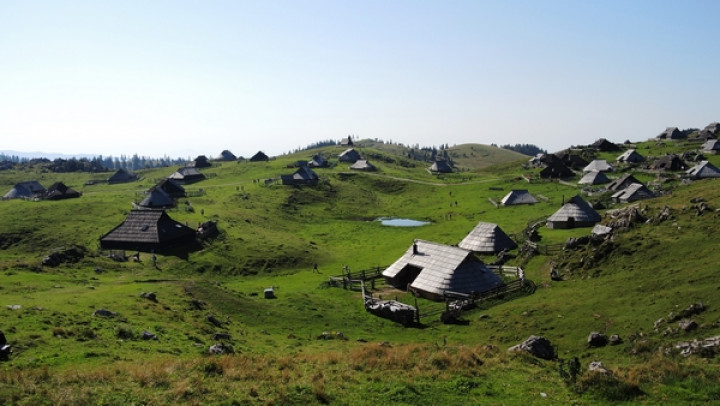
(149, 295)
(536, 346)
(598, 367)
(146, 335)
(596, 339)
(104, 313)
(615, 339)
(221, 336)
(214, 321)
(221, 348)
(687, 325)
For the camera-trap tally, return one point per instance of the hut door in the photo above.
(571, 222)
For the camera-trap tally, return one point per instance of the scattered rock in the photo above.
(196, 304)
(221, 348)
(327, 335)
(537, 346)
(14, 307)
(687, 325)
(707, 347)
(62, 255)
(221, 336)
(149, 295)
(598, 367)
(104, 313)
(214, 321)
(146, 335)
(615, 339)
(596, 339)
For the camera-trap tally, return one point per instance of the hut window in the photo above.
(144, 228)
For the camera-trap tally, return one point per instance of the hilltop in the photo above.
(272, 235)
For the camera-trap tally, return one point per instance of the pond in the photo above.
(396, 222)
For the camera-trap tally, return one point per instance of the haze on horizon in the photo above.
(182, 78)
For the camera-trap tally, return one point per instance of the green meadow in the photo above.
(272, 235)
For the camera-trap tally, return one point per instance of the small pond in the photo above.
(396, 222)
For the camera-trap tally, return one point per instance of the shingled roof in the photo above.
(487, 238)
(147, 230)
(59, 190)
(622, 182)
(634, 192)
(431, 269)
(703, 170)
(441, 166)
(123, 175)
(157, 198)
(362, 165)
(349, 155)
(630, 156)
(575, 213)
(599, 165)
(594, 178)
(27, 189)
(519, 196)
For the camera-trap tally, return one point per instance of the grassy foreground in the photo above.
(272, 235)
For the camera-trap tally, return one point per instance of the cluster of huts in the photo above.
(35, 191)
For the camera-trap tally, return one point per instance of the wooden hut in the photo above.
(703, 170)
(518, 196)
(227, 156)
(487, 238)
(59, 191)
(440, 166)
(599, 165)
(123, 175)
(631, 156)
(575, 213)
(259, 157)
(350, 155)
(147, 230)
(594, 178)
(604, 145)
(172, 188)
(430, 270)
(156, 198)
(622, 182)
(303, 176)
(186, 175)
(26, 190)
(362, 165)
(632, 193)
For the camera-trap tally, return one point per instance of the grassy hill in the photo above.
(271, 235)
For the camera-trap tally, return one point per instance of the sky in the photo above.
(183, 78)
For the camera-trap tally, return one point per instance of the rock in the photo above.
(214, 321)
(596, 339)
(196, 304)
(221, 336)
(14, 307)
(615, 339)
(687, 325)
(104, 313)
(146, 335)
(598, 367)
(658, 322)
(537, 346)
(149, 296)
(221, 348)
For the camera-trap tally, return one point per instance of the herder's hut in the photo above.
(713, 128)
(669, 163)
(350, 155)
(430, 270)
(259, 157)
(570, 159)
(703, 170)
(347, 141)
(671, 133)
(622, 182)
(156, 198)
(575, 213)
(630, 156)
(187, 175)
(27, 190)
(486, 239)
(227, 156)
(599, 165)
(604, 145)
(303, 176)
(594, 178)
(440, 166)
(711, 147)
(59, 191)
(147, 230)
(556, 170)
(123, 175)
(520, 196)
(172, 188)
(634, 192)
(200, 162)
(362, 165)
(318, 161)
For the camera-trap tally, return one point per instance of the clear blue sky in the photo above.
(183, 78)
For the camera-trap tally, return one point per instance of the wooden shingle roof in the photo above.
(577, 209)
(444, 268)
(519, 196)
(703, 170)
(147, 229)
(487, 238)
